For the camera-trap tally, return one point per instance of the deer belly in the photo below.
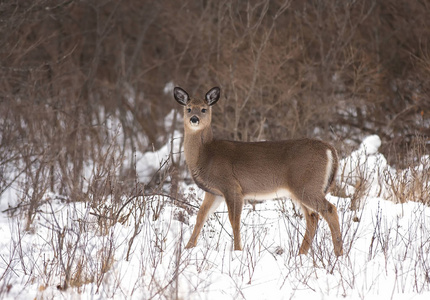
(278, 194)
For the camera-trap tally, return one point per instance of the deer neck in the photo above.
(194, 142)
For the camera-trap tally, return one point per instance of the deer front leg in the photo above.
(209, 205)
(235, 206)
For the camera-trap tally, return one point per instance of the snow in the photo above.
(168, 88)
(149, 162)
(386, 245)
(370, 145)
(366, 166)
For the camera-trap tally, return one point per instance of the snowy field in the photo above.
(142, 255)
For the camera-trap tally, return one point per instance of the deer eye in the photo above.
(204, 110)
(188, 110)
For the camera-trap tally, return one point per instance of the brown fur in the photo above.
(239, 170)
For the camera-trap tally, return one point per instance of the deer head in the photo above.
(197, 112)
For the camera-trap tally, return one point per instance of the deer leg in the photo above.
(209, 206)
(318, 203)
(329, 212)
(235, 206)
(312, 219)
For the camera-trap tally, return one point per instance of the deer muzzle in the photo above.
(194, 120)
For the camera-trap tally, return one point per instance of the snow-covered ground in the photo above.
(386, 246)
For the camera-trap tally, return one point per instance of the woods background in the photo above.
(335, 70)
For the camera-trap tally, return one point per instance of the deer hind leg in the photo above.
(318, 203)
(329, 212)
(209, 206)
(235, 206)
(312, 219)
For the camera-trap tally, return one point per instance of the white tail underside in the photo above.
(329, 167)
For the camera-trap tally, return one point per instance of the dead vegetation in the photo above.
(335, 69)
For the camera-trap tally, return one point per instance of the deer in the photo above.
(233, 171)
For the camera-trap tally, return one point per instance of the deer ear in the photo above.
(212, 96)
(181, 96)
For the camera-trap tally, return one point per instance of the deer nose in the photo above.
(194, 120)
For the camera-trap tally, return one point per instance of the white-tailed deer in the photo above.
(302, 169)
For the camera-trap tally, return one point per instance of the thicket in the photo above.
(336, 70)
